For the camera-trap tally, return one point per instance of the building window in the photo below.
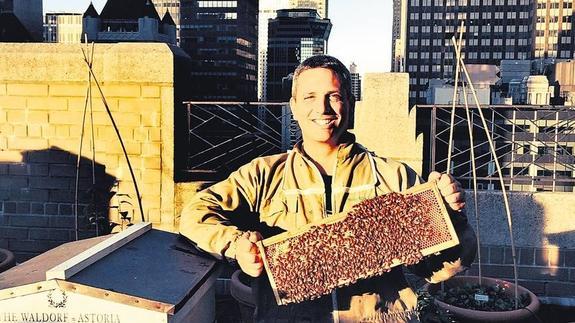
(486, 15)
(438, 15)
(510, 28)
(565, 54)
(511, 15)
(509, 55)
(510, 42)
(412, 68)
(486, 42)
(485, 55)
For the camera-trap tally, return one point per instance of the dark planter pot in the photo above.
(7, 260)
(473, 316)
(241, 291)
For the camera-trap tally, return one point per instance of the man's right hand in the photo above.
(247, 254)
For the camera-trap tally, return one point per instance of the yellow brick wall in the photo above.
(43, 112)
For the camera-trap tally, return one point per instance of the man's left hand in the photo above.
(450, 190)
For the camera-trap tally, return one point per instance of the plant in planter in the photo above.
(482, 299)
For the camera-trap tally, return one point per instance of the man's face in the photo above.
(320, 107)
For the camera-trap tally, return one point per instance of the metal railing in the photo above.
(222, 136)
(534, 145)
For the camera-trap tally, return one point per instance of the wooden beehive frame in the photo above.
(438, 204)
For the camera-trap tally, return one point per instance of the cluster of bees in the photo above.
(376, 235)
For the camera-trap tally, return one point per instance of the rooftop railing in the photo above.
(222, 136)
(534, 145)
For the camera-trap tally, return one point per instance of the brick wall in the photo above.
(42, 99)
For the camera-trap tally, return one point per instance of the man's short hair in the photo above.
(331, 63)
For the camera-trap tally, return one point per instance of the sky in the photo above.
(361, 31)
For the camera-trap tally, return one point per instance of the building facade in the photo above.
(294, 35)
(268, 10)
(221, 39)
(554, 29)
(398, 36)
(173, 8)
(63, 28)
(128, 21)
(494, 30)
(28, 12)
(355, 81)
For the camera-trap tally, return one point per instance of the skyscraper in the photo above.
(355, 81)
(294, 35)
(268, 10)
(398, 35)
(63, 28)
(28, 12)
(494, 30)
(221, 39)
(554, 29)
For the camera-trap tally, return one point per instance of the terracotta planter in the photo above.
(241, 290)
(7, 260)
(474, 316)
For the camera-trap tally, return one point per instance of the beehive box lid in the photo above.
(153, 271)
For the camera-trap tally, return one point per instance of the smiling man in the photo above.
(324, 175)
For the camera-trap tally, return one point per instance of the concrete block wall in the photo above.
(42, 99)
(383, 122)
(544, 234)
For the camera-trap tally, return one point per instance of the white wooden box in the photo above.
(143, 275)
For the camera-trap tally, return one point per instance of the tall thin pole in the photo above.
(454, 101)
(502, 183)
(138, 196)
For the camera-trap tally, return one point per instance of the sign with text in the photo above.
(66, 307)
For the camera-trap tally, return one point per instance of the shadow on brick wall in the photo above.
(37, 198)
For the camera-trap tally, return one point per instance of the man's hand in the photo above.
(450, 189)
(247, 254)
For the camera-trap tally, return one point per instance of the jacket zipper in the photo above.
(335, 306)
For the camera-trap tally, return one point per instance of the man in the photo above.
(324, 175)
